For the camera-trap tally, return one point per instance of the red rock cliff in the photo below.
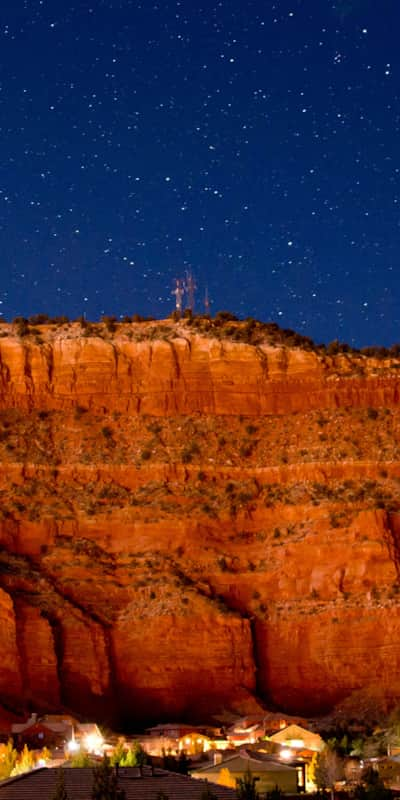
(191, 524)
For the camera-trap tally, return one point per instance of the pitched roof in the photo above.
(40, 785)
(293, 732)
(52, 722)
(244, 760)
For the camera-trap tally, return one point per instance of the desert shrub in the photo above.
(110, 323)
(154, 427)
(107, 432)
(61, 320)
(79, 411)
(139, 318)
(225, 316)
(188, 452)
(38, 319)
(21, 325)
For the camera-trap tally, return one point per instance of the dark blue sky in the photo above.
(256, 143)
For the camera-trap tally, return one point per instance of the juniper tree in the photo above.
(246, 787)
(105, 783)
(60, 792)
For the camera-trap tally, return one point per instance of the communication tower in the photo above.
(190, 287)
(206, 302)
(179, 291)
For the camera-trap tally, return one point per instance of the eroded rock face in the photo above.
(190, 526)
(182, 376)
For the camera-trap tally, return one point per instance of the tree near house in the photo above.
(392, 733)
(371, 787)
(60, 792)
(25, 762)
(174, 764)
(81, 759)
(274, 794)
(118, 753)
(8, 759)
(246, 787)
(183, 763)
(105, 783)
(207, 793)
(326, 769)
(134, 756)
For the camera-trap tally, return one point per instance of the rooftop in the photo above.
(137, 784)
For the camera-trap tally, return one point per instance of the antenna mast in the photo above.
(206, 302)
(179, 291)
(190, 287)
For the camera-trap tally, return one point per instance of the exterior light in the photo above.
(93, 743)
(286, 753)
(73, 745)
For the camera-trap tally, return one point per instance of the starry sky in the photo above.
(253, 143)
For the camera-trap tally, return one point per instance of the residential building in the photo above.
(138, 784)
(267, 771)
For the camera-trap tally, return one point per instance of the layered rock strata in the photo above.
(191, 525)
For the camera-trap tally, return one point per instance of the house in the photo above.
(267, 771)
(196, 743)
(55, 730)
(47, 731)
(248, 730)
(172, 738)
(294, 737)
(138, 784)
(171, 730)
(245, 732)
(389, 771)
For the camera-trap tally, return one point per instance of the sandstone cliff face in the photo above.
(183, 375)
(191, 525)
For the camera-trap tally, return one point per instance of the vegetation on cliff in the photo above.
(195, 516)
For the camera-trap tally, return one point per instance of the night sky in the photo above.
(254, 143)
